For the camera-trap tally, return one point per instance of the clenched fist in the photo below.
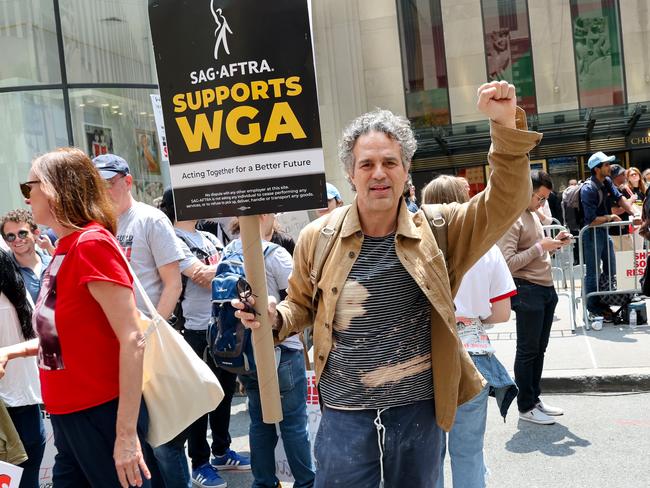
(498, 101)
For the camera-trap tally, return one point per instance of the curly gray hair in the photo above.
(394, 126)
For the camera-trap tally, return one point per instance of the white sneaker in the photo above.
(548, 409)
(536, 416)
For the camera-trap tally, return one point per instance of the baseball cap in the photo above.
(332, 192)
(110, 165)
(616, 170)
(598, 158)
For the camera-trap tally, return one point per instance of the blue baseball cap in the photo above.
(332, 192)
(599, 158)
(110, 165)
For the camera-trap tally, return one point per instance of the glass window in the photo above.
(31, 123)
(476, 178)
(507, 48)
(423, 59)
(107, 42)
(121, 121)
(28, 43)
(563, 169)
(597, 49)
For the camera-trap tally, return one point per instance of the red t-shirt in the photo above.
(78, 350)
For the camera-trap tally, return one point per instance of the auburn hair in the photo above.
(77, 192)
(631, 170)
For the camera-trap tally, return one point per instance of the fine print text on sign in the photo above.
(238, 93)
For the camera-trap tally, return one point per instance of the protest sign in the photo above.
(630, 267)
(156, 105)
(10, 475)
(238, 94)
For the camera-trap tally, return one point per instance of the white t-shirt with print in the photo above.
(147, 238)
(487, 282)
(197, 301)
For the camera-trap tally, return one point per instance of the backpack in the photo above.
(572, 205)
(178, 320)
(229, 342)
(608, 283)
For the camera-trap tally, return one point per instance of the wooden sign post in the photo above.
(267, 377)
(238, 95)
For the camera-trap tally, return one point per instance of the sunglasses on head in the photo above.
(11, 237)
(26, 188)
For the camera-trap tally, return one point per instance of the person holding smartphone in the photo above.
(527, 253)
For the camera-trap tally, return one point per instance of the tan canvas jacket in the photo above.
(473, 228)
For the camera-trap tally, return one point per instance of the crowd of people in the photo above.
(398, 309)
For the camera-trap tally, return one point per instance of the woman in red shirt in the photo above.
(89, 345)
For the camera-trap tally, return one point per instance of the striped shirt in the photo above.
(381, 354)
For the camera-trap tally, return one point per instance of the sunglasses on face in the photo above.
(22, 234)
(26, 188)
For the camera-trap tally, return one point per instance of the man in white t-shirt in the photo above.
(147, 237)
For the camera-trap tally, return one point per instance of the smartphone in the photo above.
(567, 237)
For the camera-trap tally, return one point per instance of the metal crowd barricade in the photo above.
(562, 271)
(624, 248)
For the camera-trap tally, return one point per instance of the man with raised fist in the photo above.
(387, 357)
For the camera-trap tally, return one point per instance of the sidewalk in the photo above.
(615, 358)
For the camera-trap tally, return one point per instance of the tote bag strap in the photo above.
(153, 313)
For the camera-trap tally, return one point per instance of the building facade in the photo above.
(82, 73)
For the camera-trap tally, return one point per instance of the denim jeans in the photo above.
(348, 453)
(197, 445)
(597, 247)
(84, 442)
(465, 441)
(500, 384)
(293, 428)
(534, 306)
(29, 425)
(172, 463)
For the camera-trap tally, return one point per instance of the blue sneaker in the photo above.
(231, 460)
(207, 477)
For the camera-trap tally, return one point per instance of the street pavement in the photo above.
(615, 358)
(603, 440)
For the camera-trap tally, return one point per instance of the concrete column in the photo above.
(635, 27)
(465, 56)
(552, 46)
(359, 68)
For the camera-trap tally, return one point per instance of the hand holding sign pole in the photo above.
(263, 348)
(238, 94)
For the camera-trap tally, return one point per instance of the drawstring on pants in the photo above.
(381, 440)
